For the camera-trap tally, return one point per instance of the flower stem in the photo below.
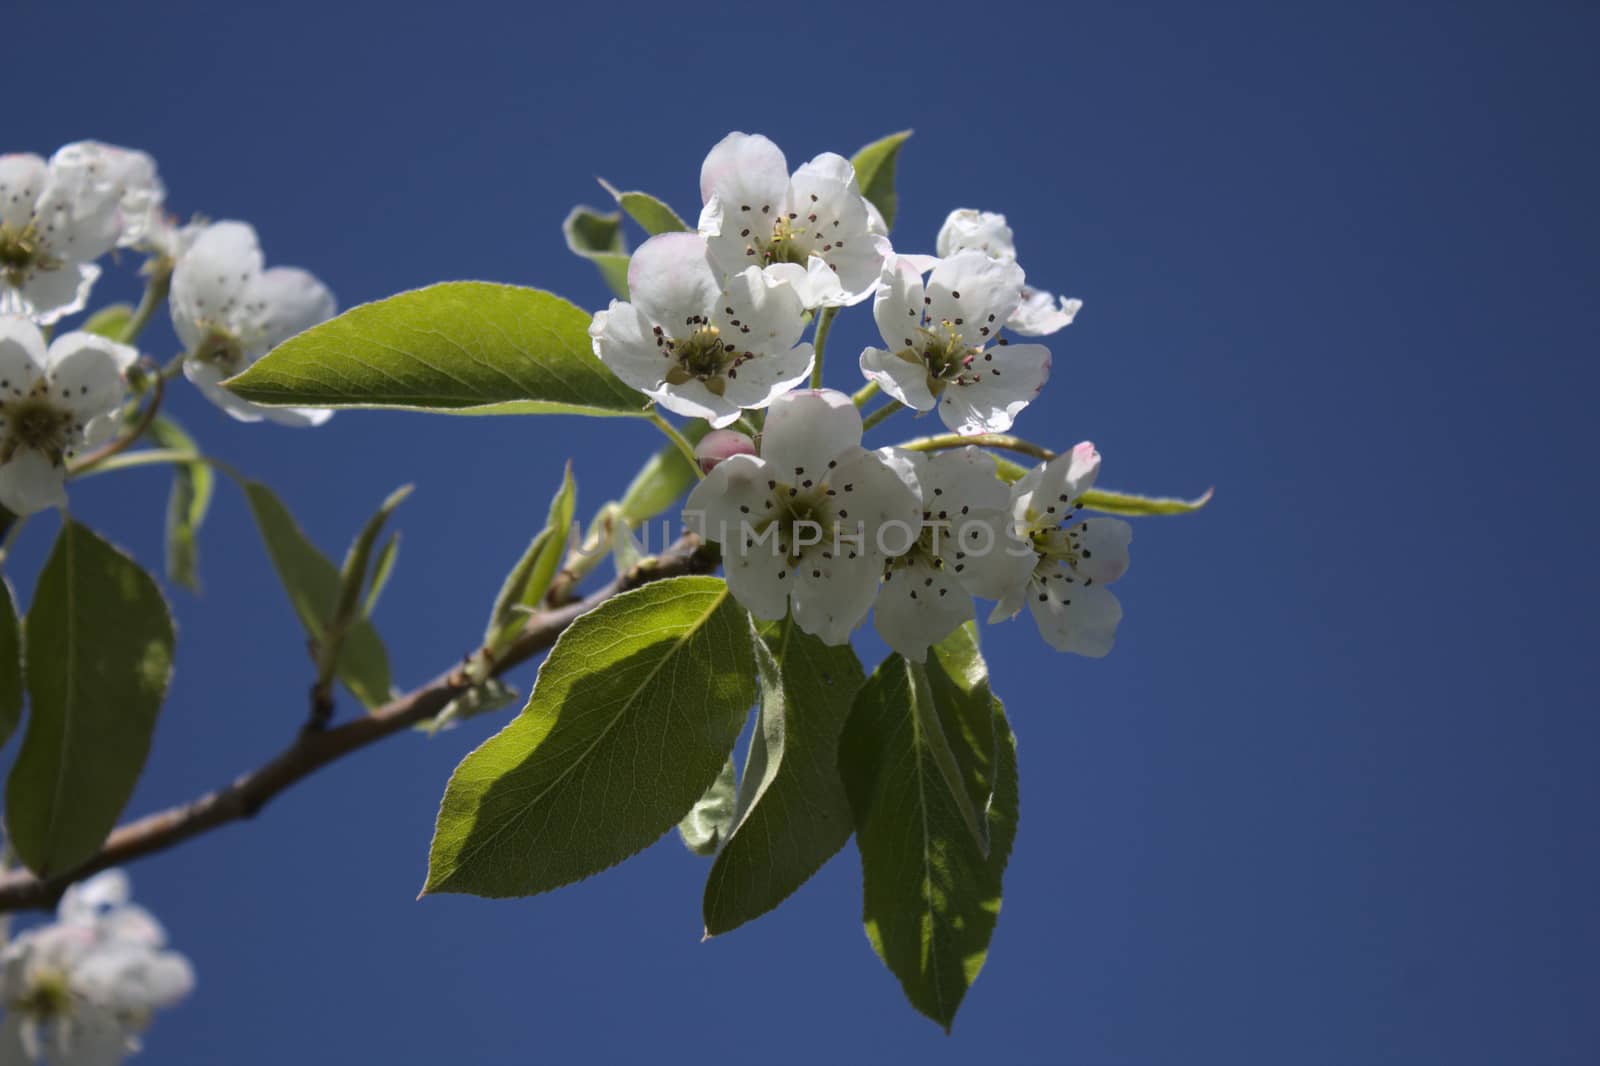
(678, 439)
(155, 294)
(158, 389)
(865, 393)
(1003, 441)
(880, 414)
(820, 343)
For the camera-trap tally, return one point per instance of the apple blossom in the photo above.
(966, 548)
(130, 175)
(229, 312)
(1038, 313)
(807, 525)
(815, 225)
(696, 344)
(1074, 559)
(53, 403)
(56, 218)
(939, 337)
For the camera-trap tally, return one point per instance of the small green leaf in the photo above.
(706, 825)
(931, 897)
(110, 321)
(192, 488)
(597, 237)
(793, 810)
(1125, 503)
(875, 166)
(488, 695)
(352, 582)
(460, 347)
(99, 647)
(651, 213)
(663, 479)
(631, 719)
(380, 573)
(10, 663)
(524, 588)
(312, 582)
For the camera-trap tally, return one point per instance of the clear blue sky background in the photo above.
(1332, 799)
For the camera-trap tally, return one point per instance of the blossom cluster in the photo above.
(58, 218)
(811, 523)
(81, 989)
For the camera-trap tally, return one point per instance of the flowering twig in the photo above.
(20, 890)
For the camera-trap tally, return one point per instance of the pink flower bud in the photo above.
(721, 444)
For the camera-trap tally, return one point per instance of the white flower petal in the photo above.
(209, 282)
(670, 278)
(760, 310)
(918, 606)
(1002, 382)
(625, 342)
(30, 482)
(22, 355)
(284, 301)
(79, 214)
(22, 180)
(984, 231)
(748, 172)
(904, 379)
(125, 976)
(1074, 617)
(963, 477)
(1102, 545)
(86, 373)
(129, 175)
(808, 428)
(207, 378)
(1038, 316)
(833, 595)
(693, 400)
(729, 500)
(88, 899)
(974, 294)
(988, 557)
(1041, 498)
(876, 500)
(758, 382)
(897, 307)
(47, 296)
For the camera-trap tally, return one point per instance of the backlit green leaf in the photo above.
(1126, 503)
(190, 499)
(463, 347)
(655, 216)
(709, 821)
(663, 479)
(630, 721)
(525, 587)
(110, 321)
(597, 237)
(99, 645)
(875, 168)
(10, 663)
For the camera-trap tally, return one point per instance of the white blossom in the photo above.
(1038, 313)
(1075, 559)
(807, 525)
(78, 992)
(966, 547)
(814, 225)
(228, 311)
(54, 403)
(942, 342)
(56, 218)
(697, 344)
(129, 175)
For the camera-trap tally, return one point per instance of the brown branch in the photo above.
(312, 750)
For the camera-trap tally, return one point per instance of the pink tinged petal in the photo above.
(86, 374)
(987, 556)
(897, 307)
(31, 482)
(624, 340)
(47, 296)
(210, 281)
(876, 501)
(1073, 617)
(729, 502)
(975, 294)
(720, 445)
(1102, 545)
(22, 356)
(807, 429)
(284, 301)
(983, 231)
(758, 382)
(904, 379)
(999, 384)
(748, 172)
(833, 595)
(22, 180)
(1038, 316)
(670, 279)
(918, 606)
(760, 311)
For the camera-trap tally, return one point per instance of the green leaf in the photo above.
(110, 321)
(794, 812)
(706, 825)
(655, 216)
(1125, 503)
(597, 236)
(192, 487)
(380, 573)
(353, 572)
(663, 479)
(931, 897)
(490, 694)
(462, 347)
(524, 588)
(99, 654)
(10, 663)
(312, 582)
(631, 719)
(875, 166)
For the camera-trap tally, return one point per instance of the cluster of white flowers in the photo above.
(57, 217)
(79, 991)
(810, 522)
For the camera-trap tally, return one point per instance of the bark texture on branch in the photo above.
(312, 750)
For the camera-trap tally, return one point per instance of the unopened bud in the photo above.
(722, 444)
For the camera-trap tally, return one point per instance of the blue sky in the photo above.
(1332, 798)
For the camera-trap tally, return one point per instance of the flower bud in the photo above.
(722, 444)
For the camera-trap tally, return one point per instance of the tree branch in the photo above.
(312, 750)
